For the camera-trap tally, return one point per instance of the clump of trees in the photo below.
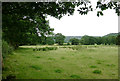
(74, 41)
(90, 40)
(59, 38)
(106, 40)
(50, 40)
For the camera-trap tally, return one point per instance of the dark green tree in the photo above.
(118, 40)
(50, 40)
(21, 19)
(109, 40)
(59, 38)
(74, 41)
(88, 40)
(98, 40)
(68, 43)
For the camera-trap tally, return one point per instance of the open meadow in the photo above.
(63, 62)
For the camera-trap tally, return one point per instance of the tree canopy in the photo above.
(74, 41)
(107, 40)
(22, 20)
(59, 38)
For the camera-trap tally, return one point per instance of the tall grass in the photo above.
(84, 62)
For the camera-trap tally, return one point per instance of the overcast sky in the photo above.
(90, 24)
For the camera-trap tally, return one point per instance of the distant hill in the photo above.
(112, 34)
(67, 38)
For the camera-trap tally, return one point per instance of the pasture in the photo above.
(65, 62)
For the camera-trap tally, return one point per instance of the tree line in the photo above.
(90, 40)
(85, 40)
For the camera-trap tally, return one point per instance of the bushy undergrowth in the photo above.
(78, 47)
(6, 49)
(45, 49)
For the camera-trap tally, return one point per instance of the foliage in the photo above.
(6, 49)
(104, 6)
(45, 49)
(88, 40)
(118, 40)
(97, 71)
(21, 28)
(78, 47)
(50, 40)
(67, 38)
(74, 41)
(93, 66)
(59, 38)
(112, 34)
(68, 43)
(23, 32)
(107, 40)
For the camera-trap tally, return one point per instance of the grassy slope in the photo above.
(63, 63)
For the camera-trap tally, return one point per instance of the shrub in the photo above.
(70, 47)
(62, 57)
(58, 71)
(50, 48)
(93, 66)
(10, 76)
(55, 48)
(45, 49)
(97, 71)
(78, 47)
(68, 43)
(98, 62)
(38, 57)
(64, 47)
(6, 49)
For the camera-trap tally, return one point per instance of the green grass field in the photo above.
(89, 62)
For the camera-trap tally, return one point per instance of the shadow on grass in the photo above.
(36, 67)
(75, 76)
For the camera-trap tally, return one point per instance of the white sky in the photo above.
(90, 24)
